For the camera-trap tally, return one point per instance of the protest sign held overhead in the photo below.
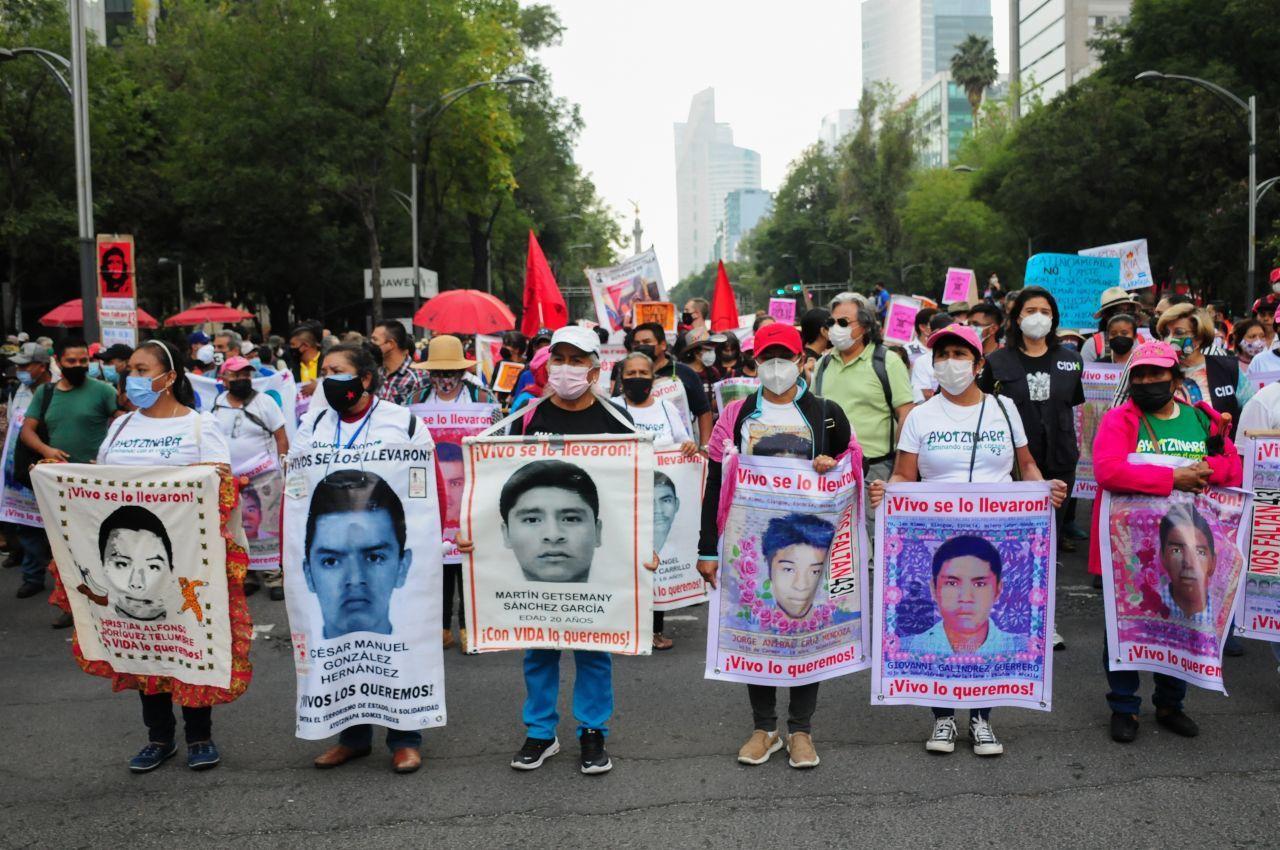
(965, 602)
(1076, 283)
(678, 482)
(1258, 614)
(957, 286)
(616, 289)
(1135, 265)
(660, 312)
(562, 528)
(793, 575)
(362, 568)
(783, 309)
(900, 319)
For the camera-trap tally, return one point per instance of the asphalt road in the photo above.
(1061, 782)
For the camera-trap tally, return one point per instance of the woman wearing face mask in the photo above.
(447, 368)
(1042, 379)
(1151, 417)
(1213, 378)
(697, 350)
(254, 426)
(962, 434)
(1248, 340)
(165, 430)
(356, 417)
(730, 357)
(1121, 332)
(819, 429)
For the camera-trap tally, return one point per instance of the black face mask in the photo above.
(342, 395)
(1120, 344)
(75, 375)
(505, 354)
(686, 318)
(650, 350)
(240, 388)
(1151, 397)
(636, 389)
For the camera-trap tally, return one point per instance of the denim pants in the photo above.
(592, 691)
(1123, 696)
(361, 736)
(35, 553)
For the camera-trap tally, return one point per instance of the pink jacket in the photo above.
(1118, 438)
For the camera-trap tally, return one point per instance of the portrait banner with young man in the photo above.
(792, 589)
(965, 596)
(142, 556)
(1099, 382)
(449, 424)
(1171, 569)
(17, 501)
(363, 580)
(562, 529)
(1259, 603)
(678, 482)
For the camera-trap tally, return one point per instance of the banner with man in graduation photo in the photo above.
(1099, 382)
(363, 585)
(563, 528)
(449, 424)
(677, 516)
(1171, 569)
(793, 574)
(965, 597)
(1259, 606)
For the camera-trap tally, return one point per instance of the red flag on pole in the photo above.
(543, 303)
(724, 307)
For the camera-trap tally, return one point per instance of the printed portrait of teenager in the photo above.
(1187, 558)
(137, 563)
(449, 457)
(355, 557)
(795, 547)
(550, 512)
(666, 505)
(966, 585)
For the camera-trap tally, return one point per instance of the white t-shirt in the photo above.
(1267, 361)
(940, 434)
(661, 419)
(922, 377)
(781, 429)
(384, 423)
(247, 438)
(1261, 413)
(138, 440)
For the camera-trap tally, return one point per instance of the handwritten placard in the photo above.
(1075, 282)
(957, 289)
(783, 309)
(1135, 265)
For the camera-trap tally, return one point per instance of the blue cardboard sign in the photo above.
(1076, 283)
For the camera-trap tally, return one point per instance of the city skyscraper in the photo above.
(906, 42)
(708, 167)
(743, 209)
(1048, 41)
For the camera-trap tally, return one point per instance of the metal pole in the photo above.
(851, 268)
(488, 264)
(182, 304)
(84, 180)
(413, 214)
(1253, 200)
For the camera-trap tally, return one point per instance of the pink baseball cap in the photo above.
(235, 364)
(962, 333)
(1154, 353)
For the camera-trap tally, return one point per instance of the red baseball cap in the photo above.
(778, 334)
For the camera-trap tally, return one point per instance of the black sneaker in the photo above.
(29, 589)
(534, 752)
(1178, 723)
(277, 594)
(1124, 727)
(595, 758)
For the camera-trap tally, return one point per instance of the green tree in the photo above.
(973, 68)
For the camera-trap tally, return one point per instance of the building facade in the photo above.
(836, 125)
(945, 118)
(905, 43)
(743, 209)
(1049, 42)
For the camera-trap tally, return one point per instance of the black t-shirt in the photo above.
(556, 421)
(1045, 389)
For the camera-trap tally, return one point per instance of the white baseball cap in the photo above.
(583, 339)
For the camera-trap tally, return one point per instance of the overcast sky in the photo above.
(632, 67)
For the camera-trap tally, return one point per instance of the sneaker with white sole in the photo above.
(943, 739)
(1058, 642)
(595, 758)
(985, 742)
(800, 751)
(534, 752)
(759, 747)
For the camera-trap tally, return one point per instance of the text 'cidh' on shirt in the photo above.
(941, 434)
(138, 440)
(1182, 436)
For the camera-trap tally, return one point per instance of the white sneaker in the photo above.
(1058, 642)
(943, 739)
(985, 742)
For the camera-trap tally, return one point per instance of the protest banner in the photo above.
(964, 611)
(17, 502)
(279, 386)
(1075, 282)
(957, 285)
(1258, 614)
(793, 575)
(1099, 382)
(900, 319)
(140, 553)
(672, 390)
(1135, 265)
(449, 424)
(610, 355)
(363, 585)
(615, 289)
(1171, 568)
(662, 312)
(261, 499)
(506, 376)
(678, 482)
(731, 389)
(581, 584)
(783, 309)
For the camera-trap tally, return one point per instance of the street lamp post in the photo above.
(165, 261)
(1251, 109)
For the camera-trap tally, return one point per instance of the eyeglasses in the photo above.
(842, 322)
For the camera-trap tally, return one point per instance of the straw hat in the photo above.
(444, 352)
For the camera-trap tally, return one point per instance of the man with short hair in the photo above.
(550, 513)
(226, 344)
(400, 382)
(880, 299)
(672, 380)
(696, 313)
(987, 319)
(813, 333)
(304, 358)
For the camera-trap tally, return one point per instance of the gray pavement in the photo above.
(1061, 782)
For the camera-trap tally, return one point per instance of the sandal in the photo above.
(660, 642)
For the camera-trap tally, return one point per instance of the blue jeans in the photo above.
(361, 736)
(939, 713)
(1123, 696)
(592, 691)
(35, 553)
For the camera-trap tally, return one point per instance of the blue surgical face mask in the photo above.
(139, 390)
(25, 378)
(103, 372)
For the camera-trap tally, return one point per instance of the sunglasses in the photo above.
(842, 322)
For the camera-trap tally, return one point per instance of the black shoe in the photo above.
(534, 752)
(30, 588)
(277, 594)
(62, 621)
(1097, 582)
(1178, 723)
(250, 589)
(1124, 727)
(1233, 648)
(595, 758)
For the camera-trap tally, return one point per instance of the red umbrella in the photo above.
(465, 311)
(71, 315)
(209, 311)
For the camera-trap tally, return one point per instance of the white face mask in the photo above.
(778, 375)
(841, 337)
(1254, 347)
(569, 382)
(708, 357)
(1036, 326)
(1275, 287)
(954, 376)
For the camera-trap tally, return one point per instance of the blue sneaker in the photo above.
(152, 756)
(203, 756)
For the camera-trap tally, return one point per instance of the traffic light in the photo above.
(795, 287)
(779, 291)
